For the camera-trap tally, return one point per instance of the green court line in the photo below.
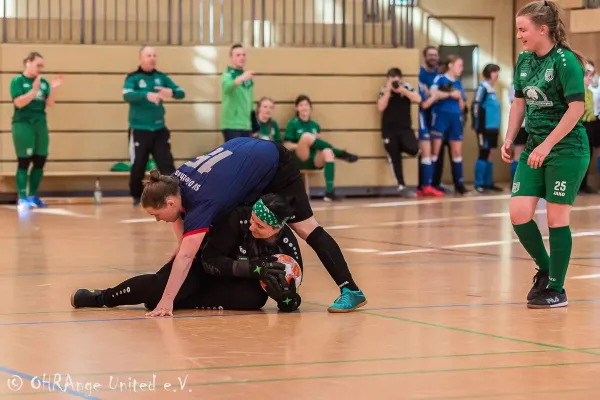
(375, 374)
(451, 328)
(305, 363)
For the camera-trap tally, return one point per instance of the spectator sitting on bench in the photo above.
(311, 151)
(269, 129)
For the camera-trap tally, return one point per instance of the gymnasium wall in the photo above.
(89, 122)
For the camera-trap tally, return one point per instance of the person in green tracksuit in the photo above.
(268, 127)
(311, 151)
(145, 89)
(31, 94)
(237, 96)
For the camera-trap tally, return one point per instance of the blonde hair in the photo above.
(549, 13)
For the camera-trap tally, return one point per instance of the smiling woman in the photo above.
(549, 90)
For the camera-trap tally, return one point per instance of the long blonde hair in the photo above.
(549, 13)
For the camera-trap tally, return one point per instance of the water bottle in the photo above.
(97, 192)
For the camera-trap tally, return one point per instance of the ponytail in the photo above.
(549, 13)
(445, 65)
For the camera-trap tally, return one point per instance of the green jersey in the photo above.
(548, 84)
(143, 114)
(269, 131)
(36, 109)
(296, 127)
(237, 101)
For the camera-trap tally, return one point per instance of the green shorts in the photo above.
(30, 138)
(557, 181)
(308, 164)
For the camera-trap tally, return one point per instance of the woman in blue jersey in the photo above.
(486, 119)
(446, 122)
(426, 166)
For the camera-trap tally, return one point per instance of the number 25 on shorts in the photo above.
(559, 188)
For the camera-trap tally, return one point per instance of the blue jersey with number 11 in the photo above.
(235, 173)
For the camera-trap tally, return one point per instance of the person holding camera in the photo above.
(447, 120)
(394, 103)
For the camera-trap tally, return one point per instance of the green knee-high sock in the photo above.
(531, 238)
(35, 177)
(319, 144)
(329, 176)
(22, 183)
(561, 243)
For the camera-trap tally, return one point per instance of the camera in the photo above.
(395, 84)
(446, 87)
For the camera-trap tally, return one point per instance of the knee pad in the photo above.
(484, 154)
(39, 161)
(456, 159)
(426, 161)
(434, 159)
(23, 163)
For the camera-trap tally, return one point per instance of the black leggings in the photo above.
(199, 290)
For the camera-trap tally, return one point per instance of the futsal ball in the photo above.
(292, 270)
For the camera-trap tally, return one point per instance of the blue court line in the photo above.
(273, 311)
(52, 388)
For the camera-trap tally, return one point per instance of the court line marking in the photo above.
(394, 373)
(271, 311)
(326, 362)
(486, 396)
(47, 384)
(477, 244)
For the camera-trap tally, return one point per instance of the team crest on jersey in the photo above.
(516, 187)
(549, 76)
(536, 97)
(157, 81)
(142, 84)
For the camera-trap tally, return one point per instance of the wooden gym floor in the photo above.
(445, 279)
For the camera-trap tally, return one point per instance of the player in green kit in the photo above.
(549, 91)
(269, 129)
(31, 94)
(311, 151)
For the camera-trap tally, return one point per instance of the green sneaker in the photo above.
(348, 301)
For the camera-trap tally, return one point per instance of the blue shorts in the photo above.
(447, 126)
(423, 128)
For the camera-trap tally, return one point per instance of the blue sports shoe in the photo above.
(35, 201)
(348, 301)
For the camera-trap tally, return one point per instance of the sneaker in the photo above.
(461, 189)
(331, 196)
(87, 298)
(494, 188)
(348, 301)
(420, 192)
(431, 191)
(407, 193)
(479, 189)
(540, 282)
(549, 298)
(24, 204)
(35, 201)
(349, 157)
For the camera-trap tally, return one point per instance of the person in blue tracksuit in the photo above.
(486, 116)
(447, 119)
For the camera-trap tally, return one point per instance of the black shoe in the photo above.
(494, 188)
(549, 298)
(540, 282)
(461, 189)
(349, 157)
(87, 298)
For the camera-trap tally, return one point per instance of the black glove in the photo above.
(259, 268)
(284, 294)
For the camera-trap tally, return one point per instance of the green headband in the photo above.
(267, 216)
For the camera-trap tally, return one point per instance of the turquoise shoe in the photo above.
(348, 301)
(35, 201)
